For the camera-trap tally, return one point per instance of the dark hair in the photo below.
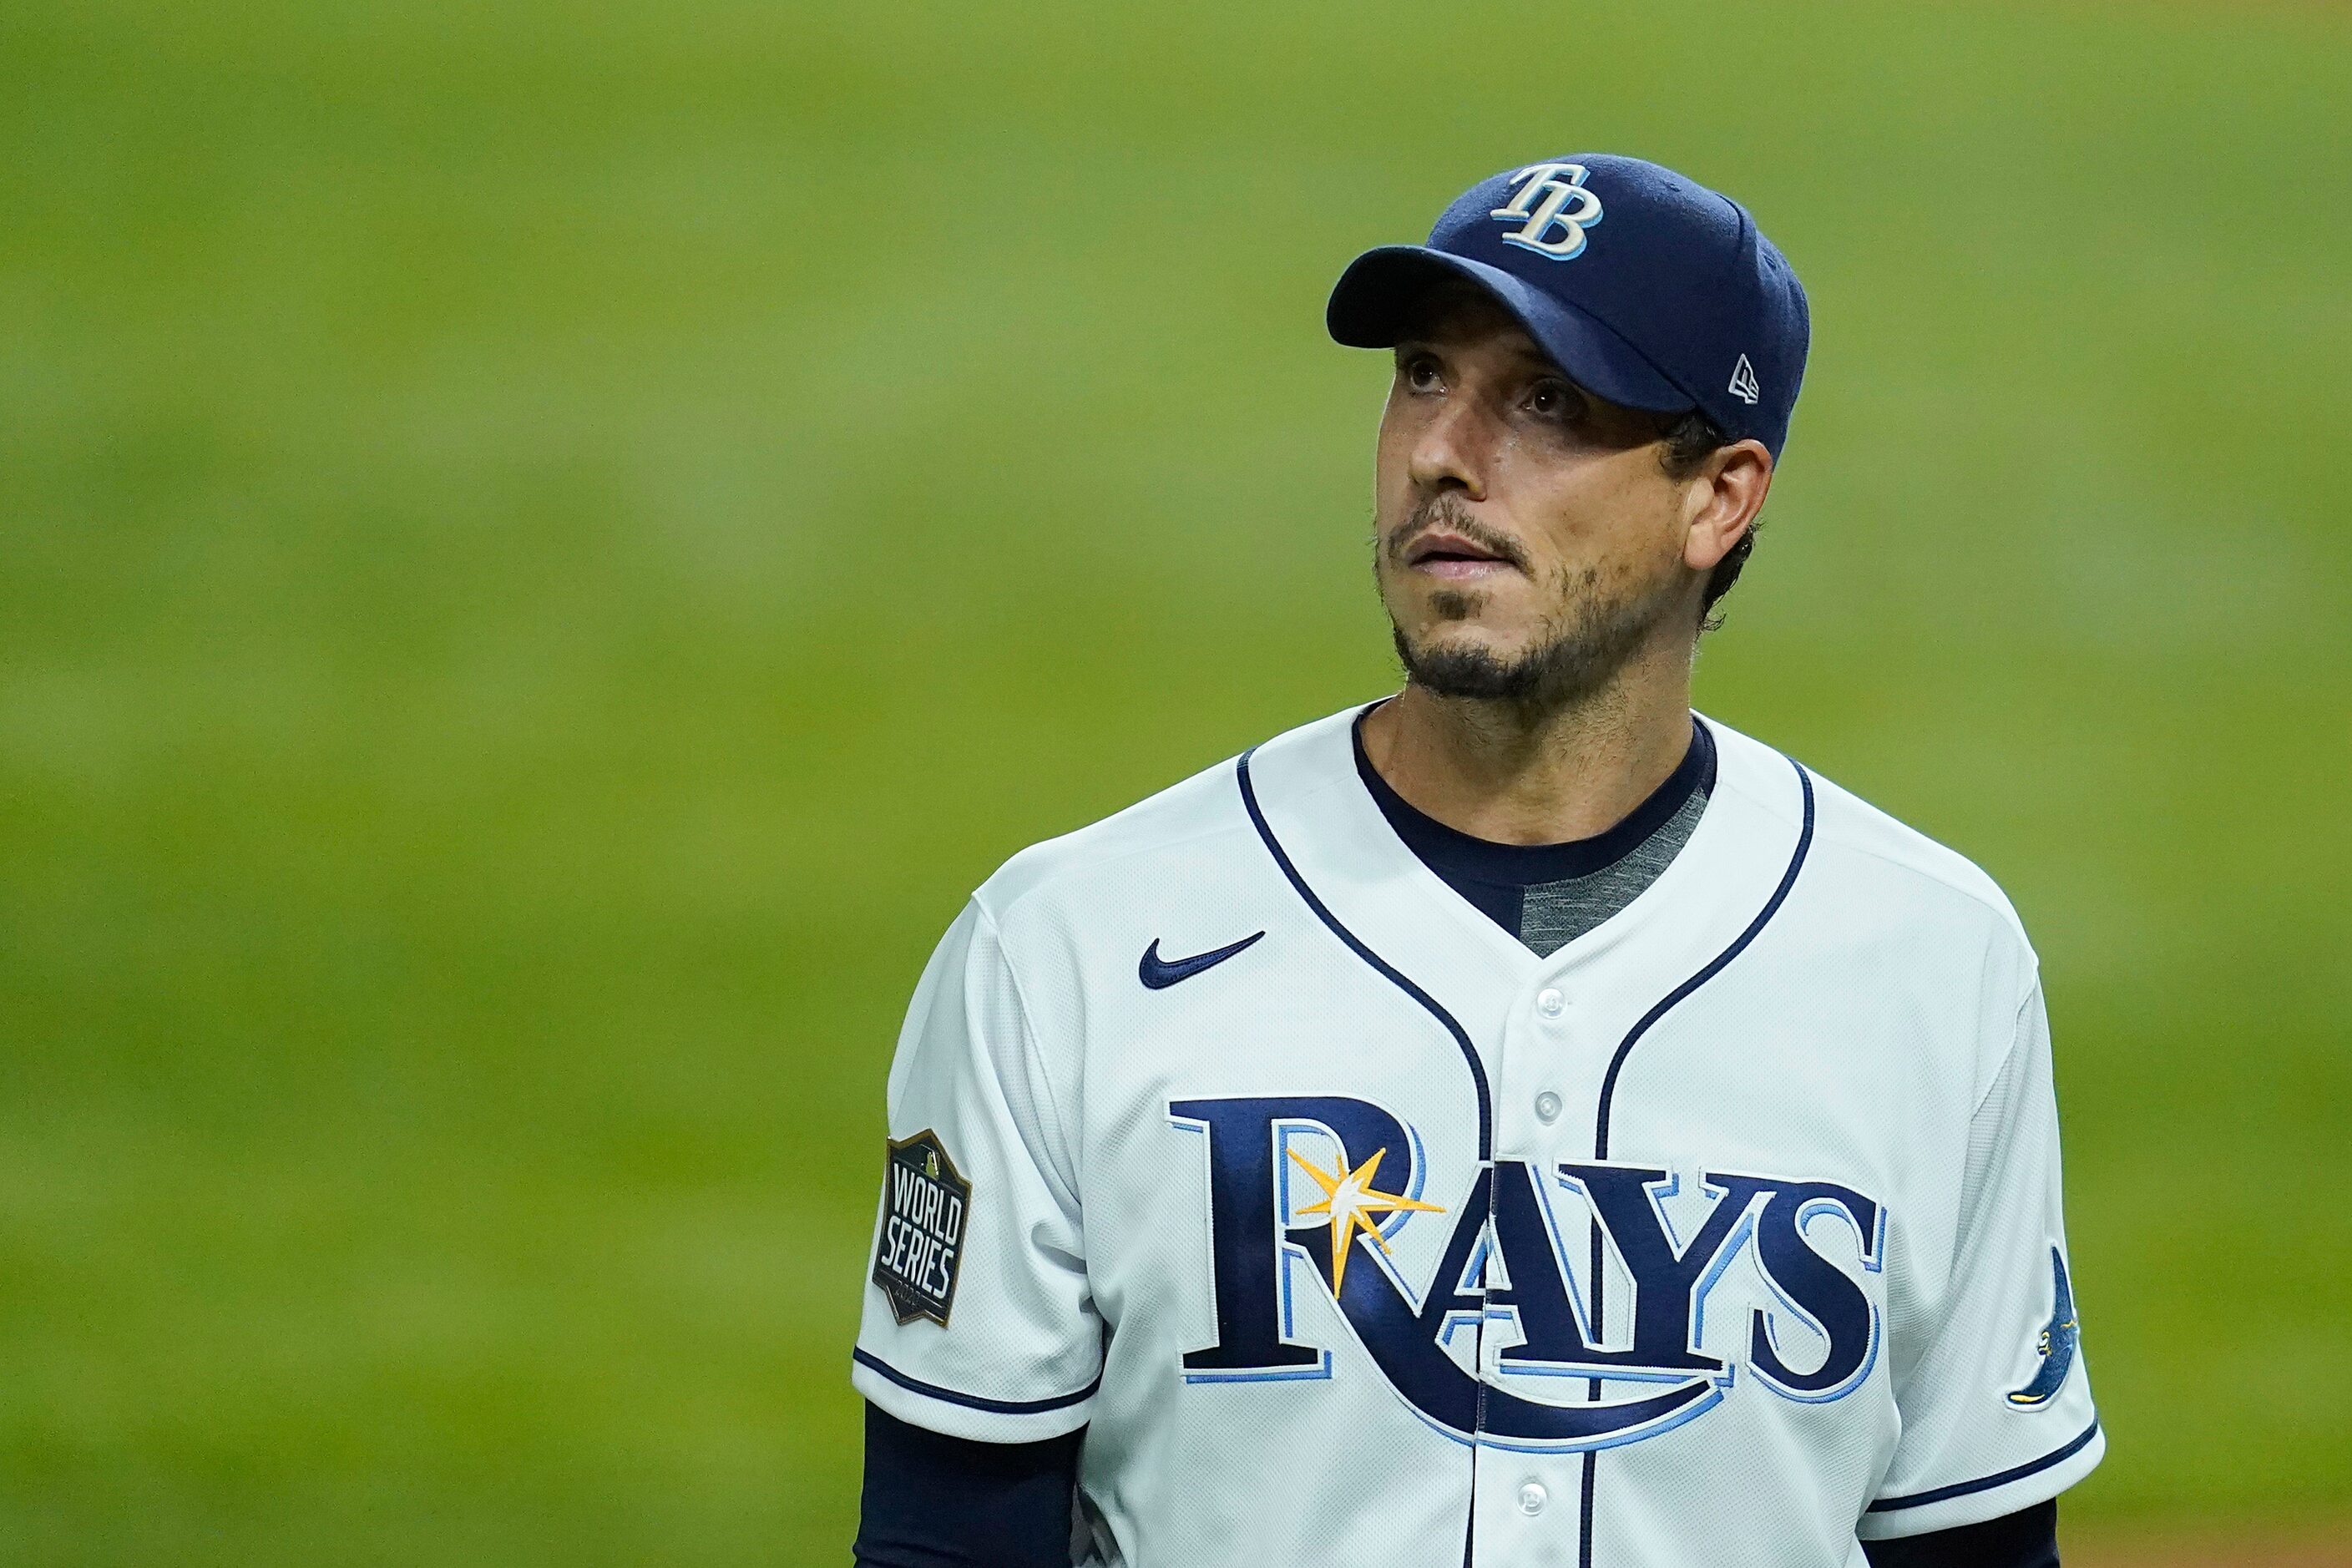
(1690, 438)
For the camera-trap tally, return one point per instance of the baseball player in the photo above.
(1517, 1120)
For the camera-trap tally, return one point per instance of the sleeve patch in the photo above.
(2056, 1345)
(925, 1203)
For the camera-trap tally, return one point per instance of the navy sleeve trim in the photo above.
(973, 1401)
(1985, 1484)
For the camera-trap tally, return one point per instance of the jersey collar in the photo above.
(1328, 823)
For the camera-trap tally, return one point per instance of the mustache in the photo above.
(1446, 511)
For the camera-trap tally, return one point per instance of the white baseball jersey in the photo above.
(1354, 1231)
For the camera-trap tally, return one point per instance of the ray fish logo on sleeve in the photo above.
(1552, 209)
(2056, 1344)
(925, 1203)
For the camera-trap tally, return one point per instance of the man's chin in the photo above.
(1450, 664)
(1534, 673)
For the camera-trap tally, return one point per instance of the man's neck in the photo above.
(1510, 775)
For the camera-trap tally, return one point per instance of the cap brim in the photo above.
(1374, 302)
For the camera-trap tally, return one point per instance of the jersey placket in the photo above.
(1547, 1069)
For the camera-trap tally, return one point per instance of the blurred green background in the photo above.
(544, 548)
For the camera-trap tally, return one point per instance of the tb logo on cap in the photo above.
(1551, 198)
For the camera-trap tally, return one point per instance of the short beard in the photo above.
(1586, 647)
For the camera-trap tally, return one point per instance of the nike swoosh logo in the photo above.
(1159, 973)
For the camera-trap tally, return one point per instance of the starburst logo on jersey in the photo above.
(1552, 209)
(920, 1250)
(1502, 1329)
(1351, 1199)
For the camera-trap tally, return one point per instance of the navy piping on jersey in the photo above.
(1461, 1036)
(1984, 1483)
(973, 1401)
(1739, 944)
(1608, 1100)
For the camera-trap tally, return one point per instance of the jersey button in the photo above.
(1550, 1003)
(1532, 1498)
(1547, 1108)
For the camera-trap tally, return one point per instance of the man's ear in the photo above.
(1721, 502)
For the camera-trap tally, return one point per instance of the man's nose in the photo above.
(1450, 451)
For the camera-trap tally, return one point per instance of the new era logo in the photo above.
(1743, 382)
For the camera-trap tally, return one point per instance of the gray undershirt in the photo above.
(1553, 914)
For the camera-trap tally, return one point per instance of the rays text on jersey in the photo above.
(1504, 1339)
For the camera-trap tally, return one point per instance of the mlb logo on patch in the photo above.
(925, 1203)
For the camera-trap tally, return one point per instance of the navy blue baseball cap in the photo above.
(1646, 287)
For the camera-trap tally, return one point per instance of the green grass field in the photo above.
(544, 548)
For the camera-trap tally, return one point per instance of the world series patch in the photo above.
(926, 1201)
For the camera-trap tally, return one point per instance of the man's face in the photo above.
(1530, 540)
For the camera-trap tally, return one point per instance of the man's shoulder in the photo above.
(1886, 868)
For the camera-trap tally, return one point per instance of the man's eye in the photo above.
(1420, 372)
(1553, 400)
